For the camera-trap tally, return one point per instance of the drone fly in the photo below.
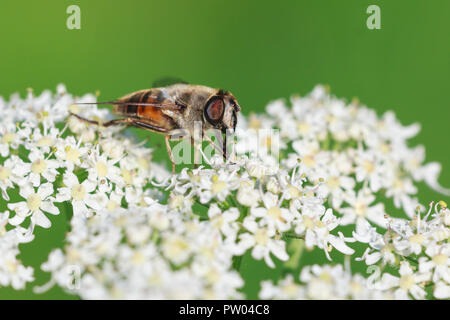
(175, 108)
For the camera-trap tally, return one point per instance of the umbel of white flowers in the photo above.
(138, 231)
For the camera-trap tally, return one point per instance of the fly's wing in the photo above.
(167, 81)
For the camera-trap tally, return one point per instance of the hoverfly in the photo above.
(175, 108)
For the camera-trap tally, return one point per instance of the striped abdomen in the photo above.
(143, 96)
(153, 114)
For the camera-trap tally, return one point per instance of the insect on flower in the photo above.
(175, 110)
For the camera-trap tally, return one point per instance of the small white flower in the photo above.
(43, 140)
(285, 289)
(408, 283)
(81, 195)
(176, 248)
(103, 171)
(7, 176)
(275, 216)
(442, 290)
(438, 262)
(262, 241)
(316, 230)
(34, 205)
(401, 191)
(70, 152)
(360, 209)
(13, 273)
(9, 138)
(336, 186)
(247, 195)
(224, 221)
(370, 168)
(39, 167)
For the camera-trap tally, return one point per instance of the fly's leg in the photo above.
(223, 142)
(137, 123)
(169, 151)
(126, 121)
(197, 156)
(215, 146)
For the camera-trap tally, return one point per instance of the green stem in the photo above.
(290, 235)
(298, 246)
(68, 213)
(155, 236)
(237, 260)
(411, 260)
(234, 203)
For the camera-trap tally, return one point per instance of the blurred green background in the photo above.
(259, 50)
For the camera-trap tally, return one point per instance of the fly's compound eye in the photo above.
(214, 110)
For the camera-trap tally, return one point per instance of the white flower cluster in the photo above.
(12, 271)
(139, 232)
(411, 259)
(323, 283)
(357, 154)
(144, 253)
(47, 160)
(419, 245)
(261, 204)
